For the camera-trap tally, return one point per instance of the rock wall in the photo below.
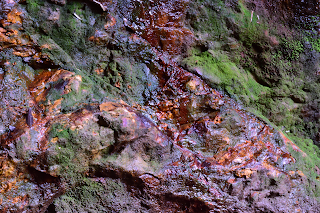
(159, 106)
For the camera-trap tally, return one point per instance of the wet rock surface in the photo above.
(102, 114)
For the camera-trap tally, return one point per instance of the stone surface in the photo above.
(127, 117)
(59, 2)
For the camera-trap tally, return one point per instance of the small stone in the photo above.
(54, 170)
(191, 85)
(231, 180)
(244, 173)
(238, 160)
(12, 128)
(59, 2)
(54, 15)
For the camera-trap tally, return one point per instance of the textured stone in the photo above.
(59, 2)
(119, 125)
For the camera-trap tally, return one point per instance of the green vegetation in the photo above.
(260, 69)
(316, 44)
(64, 33)
(68, 155)
(73, 150)
(92, 196)
(217, 68)
(72, 34)
(251, 28)
(309, 164)
(58, 130)
(129, 77)
(33, 6)
(313, 40)
(209, 17)
(292, 48)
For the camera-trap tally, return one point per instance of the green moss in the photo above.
(282, 63)
(251, 30)
(208, 17)
(216, 67)
(91, 196)
(291, 48)
(58, 130)
(72, 151)
(92, 89)
(70, 48)
(74, 6)
(66, 151)
(33, 6)
(68, 32)
(66, 155)
(131, 79)
(314, 40)
(307, 164)
(71, 35)
(273, 60)
(316, 44)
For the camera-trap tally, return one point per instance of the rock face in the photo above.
(113, 106)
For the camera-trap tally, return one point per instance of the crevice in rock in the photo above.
(41, 177)
(184, 203)
(51, 209)
(274, 194)
(273, 182)
(103, 122)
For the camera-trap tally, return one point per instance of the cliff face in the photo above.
(159, 106)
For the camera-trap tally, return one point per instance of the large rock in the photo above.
(119, 126)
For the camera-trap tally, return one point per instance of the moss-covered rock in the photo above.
(181, 145)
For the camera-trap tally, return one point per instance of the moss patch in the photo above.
(222, 73)
(73, 150)
(107, 195)
(309, 164)
(251, 27)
